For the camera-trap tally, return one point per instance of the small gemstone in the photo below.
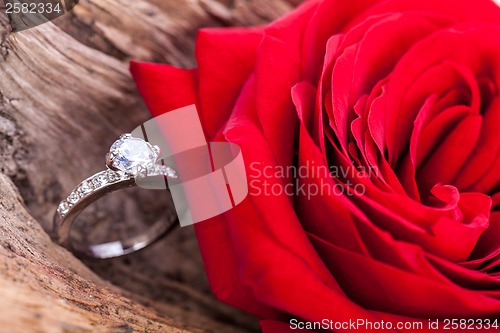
(63, 208)
(164, 170)
(113, 176)
(125, 176)
(99, 180)
(73, 197)
(85, 188)
(169, 172)
(132, 155)
(96, 182)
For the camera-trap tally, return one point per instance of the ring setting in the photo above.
(129, 158)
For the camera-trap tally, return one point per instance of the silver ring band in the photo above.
(93, 189)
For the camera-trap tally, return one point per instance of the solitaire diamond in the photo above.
(132, 155)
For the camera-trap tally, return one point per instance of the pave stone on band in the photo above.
(129, 158)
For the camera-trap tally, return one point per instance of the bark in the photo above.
(65, 96)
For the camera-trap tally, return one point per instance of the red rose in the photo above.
(400, 99)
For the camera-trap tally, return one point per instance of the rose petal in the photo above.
(458, 10)
(328, 20)
(377, 285)
(277, 69)
(226, 58)
(164, 87)
(427, 54)
(450, 155)
(485, 153)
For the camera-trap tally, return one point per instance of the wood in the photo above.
(65, 95)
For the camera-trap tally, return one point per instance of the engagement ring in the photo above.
(129, 159)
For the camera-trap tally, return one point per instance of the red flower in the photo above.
(400, 99)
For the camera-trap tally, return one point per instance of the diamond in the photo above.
(132, 155)
(112, 176)
(73, 197)
(163, 170)
(85, 188)
(169, 172)
(63, 208)
(99, 180)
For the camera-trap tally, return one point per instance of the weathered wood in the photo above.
(65, 95)
(45, 289)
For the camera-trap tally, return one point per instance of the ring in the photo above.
(129, 159)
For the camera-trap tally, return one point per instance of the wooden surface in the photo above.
(65, 95)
